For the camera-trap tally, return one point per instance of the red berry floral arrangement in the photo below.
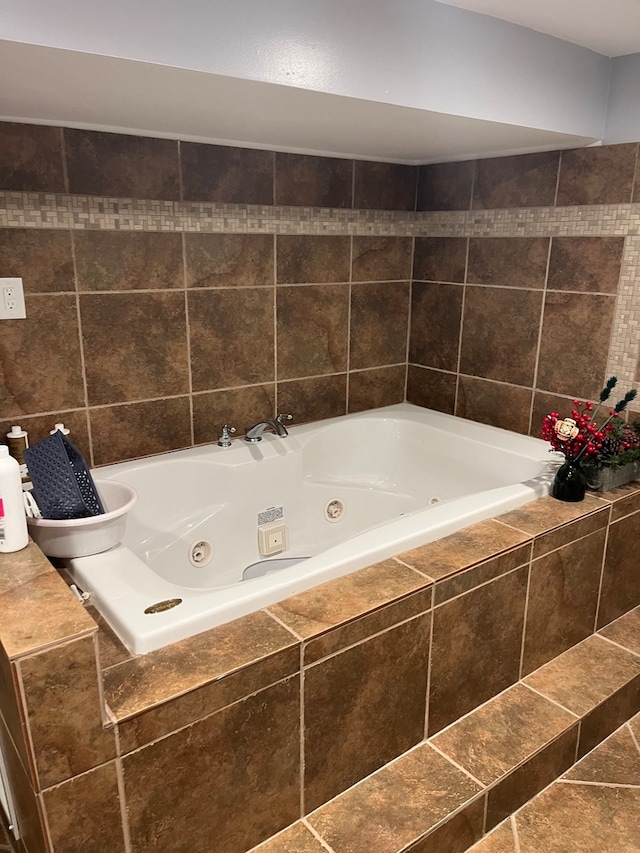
(595, 440)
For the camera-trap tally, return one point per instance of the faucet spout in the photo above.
(254, 433)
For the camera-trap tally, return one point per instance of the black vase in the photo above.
(569, 484)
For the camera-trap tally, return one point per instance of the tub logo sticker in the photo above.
(161, 606)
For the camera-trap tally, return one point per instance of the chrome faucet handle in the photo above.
(281, 418)
(224, 439)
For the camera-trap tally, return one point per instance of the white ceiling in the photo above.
(610, 27)
(415, 82)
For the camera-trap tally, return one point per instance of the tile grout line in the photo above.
(274, 287)
(523, 641)
(536, 363)
(633, 735)
(317, 836)
(596, 784)
(514, 831)
(83, 364)
(122, 799)
(187, 323)
(618, 645)
(302, 749)
(578, 717)
(463, 301)
(429, 666)
(483, 787)
(596, 616)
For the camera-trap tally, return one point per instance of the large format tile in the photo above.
(226, 174)
(555, 523)
(445, 186)
(132, 430)
(379, 319)
(40, 611)
(585, 675)
(440, 259)
(114, 164)
(315, 398)
(625, 631)
(501, 840)
(524, 180)
(563, 597)
(95, 796)
(508, 261)
(468, 547)
(494, 403)
(135, 346)
(351, 727)
(585, 264)
(231, 337)
(620, 578)
(384, 186)
(304, 259)
(63, 705)
(476, 647)
(601, 175)
(50, 378)
(248, 753)
(436, 313)
(504, 732)
(579, 818)
(380, 386)
(311, 181)
(148, 681)
(31, 158)
(128, 260)
(581, 322)
(381, 258)
(397, 806)
(237, 407)
(433, 389)
(295, 839)
(43, 259)
(229, 260)
(312, 330)
(350, 608)
(616, 761)
(500, 334)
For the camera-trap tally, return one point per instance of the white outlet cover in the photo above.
(12, 305)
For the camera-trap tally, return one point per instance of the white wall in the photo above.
(414, 53)
(623, 112)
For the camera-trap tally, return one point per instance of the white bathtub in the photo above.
(403, 475)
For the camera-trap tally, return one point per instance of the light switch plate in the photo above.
(12, 305)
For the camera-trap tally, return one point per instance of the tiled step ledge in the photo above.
(445, 794)
(593, 808)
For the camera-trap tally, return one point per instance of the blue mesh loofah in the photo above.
(62, 484)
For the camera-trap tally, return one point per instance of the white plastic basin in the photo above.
(81, 537)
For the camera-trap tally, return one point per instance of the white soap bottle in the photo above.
(13, 522)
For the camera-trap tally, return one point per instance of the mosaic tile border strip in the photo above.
(624, 349)
(60, 211)
(49, 210)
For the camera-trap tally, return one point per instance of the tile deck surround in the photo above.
(178, 697)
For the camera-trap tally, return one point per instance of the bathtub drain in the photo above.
(200, 553)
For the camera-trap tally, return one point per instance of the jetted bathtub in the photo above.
(220, 532)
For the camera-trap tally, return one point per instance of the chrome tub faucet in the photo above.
(253, 433)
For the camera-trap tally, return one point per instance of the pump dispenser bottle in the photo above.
(13, 522)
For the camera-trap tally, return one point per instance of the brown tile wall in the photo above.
(144, 342)
(500, 323)
(149, 340)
